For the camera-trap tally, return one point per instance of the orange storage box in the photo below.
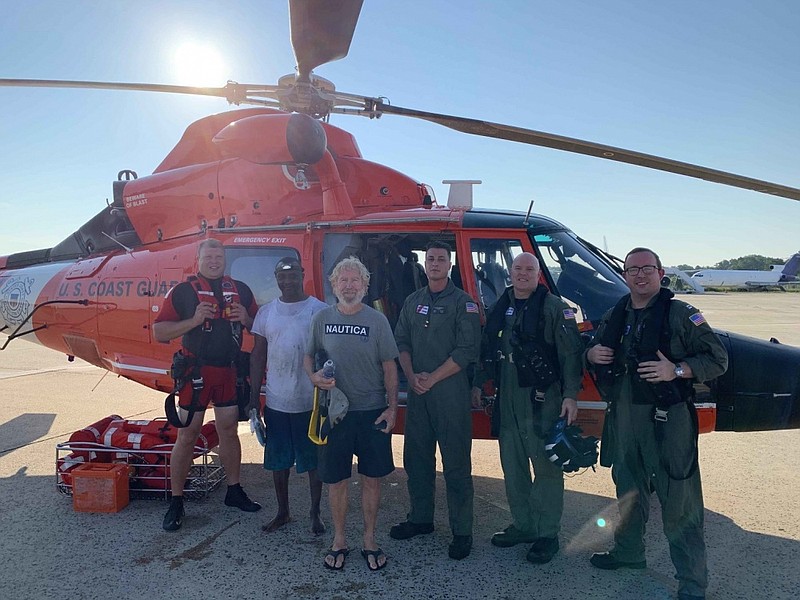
(100, 487)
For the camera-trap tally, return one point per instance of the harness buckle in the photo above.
(660, 415)
(197, 384)
(539, 396)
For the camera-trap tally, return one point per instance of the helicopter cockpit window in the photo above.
(491, 259)
(255, 266)
(580, 277)
(395, 262)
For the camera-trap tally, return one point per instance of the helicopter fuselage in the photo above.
(268, 185)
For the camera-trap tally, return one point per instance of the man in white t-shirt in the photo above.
(281, 330)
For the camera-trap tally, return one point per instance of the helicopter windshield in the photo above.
(580, 277)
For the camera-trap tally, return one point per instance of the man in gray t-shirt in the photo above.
(359, 340)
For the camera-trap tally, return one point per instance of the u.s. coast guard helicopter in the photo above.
(278, 179)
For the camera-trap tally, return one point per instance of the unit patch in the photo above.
(422, 309)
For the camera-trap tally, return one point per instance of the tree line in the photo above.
(751, 262)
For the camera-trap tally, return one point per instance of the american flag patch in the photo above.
(697, 318)
(471, 307)
(569, 313)
(422, 309)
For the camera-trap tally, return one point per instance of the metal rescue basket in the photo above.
(134, 443)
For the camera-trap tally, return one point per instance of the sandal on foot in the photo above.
(335, 554)
(376, 555)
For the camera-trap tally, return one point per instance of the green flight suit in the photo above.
(639, 459)
(432, 331)
(536, 504)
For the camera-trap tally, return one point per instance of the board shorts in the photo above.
(287, 442)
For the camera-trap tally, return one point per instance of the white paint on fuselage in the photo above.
(19, 292)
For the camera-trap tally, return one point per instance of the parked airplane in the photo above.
(778, 275)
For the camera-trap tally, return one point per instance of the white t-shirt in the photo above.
(286, 327)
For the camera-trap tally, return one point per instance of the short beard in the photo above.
(355, 302)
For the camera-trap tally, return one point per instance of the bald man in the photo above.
(528, 316)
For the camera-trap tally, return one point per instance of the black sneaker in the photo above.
(238, 499)
(174, 517)
(460, 547)
(542, 551)
(407, 530)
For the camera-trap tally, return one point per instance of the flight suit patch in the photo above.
(422, 309)
(439, 310)
(697, 319)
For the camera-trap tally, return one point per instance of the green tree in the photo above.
(751, 262)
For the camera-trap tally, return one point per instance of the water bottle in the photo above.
(328, 369)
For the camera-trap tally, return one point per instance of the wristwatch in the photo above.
(679, 371)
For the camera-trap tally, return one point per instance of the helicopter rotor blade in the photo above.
(376, 107)
(234, 93)
(321, 32)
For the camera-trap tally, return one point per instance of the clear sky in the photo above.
(715, 83)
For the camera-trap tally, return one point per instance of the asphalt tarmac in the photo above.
(751, 483)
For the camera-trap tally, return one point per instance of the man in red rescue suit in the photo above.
(647, 352)
(209, 311)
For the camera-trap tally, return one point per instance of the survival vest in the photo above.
(215, 343)
(536, 361)
(650, 335)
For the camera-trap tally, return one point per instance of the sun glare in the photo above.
(199, 65)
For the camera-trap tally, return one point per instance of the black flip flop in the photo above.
(336, 554)
(376, 554)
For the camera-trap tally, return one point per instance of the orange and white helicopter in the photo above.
(279, 180)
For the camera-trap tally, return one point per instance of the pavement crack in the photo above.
(198, 551)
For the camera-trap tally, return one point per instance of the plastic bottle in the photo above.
(328, 369)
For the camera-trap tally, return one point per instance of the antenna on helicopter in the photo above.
(528, 214)
(116, 241)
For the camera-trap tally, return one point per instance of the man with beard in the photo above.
(359, 341)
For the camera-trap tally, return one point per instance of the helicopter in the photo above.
(278, 179)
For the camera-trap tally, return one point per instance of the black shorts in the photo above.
(356, 435)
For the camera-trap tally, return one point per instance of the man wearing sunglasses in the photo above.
(647, 352)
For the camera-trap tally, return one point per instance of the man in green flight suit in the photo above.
(645, 355)
(438, 334)
(529, 323)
